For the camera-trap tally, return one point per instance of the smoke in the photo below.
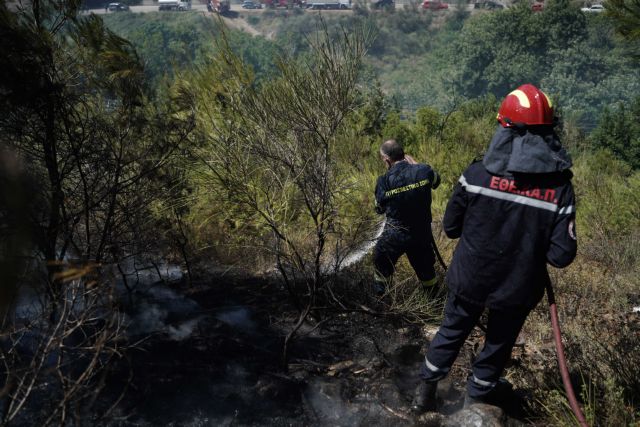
(143, 273)
(28, 304)
(148, 319)
(238, 317)
(160, 309)
(156, 308)
(153, 307)
(326, 399)
(183, 331)
(176, 303)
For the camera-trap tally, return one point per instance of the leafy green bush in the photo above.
(395, 128)
(608, 193)
(253, 19)
(619, 131)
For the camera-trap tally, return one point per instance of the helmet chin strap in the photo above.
(516, 125)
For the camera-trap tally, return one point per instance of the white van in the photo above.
(174, 4)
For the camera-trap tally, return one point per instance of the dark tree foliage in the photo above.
(498, 52)
(619, 131)
(15, 188)
(75, 108)
(572, 56)
(81, 149)
(173, 43)
(626, 14)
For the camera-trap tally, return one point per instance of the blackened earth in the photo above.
(219, 363)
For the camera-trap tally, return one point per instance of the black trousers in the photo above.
(459, 319)
(394, 242)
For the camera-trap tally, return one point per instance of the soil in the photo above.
(221, 364)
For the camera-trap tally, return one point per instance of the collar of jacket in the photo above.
(532, 151)
(397, 165)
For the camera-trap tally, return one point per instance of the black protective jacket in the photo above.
(509, 226)
(404, 195)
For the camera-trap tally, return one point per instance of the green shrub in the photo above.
(619, 131)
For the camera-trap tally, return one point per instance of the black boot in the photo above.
(424, 399)
(501, 395)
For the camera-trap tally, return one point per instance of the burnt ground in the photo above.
(218, 361)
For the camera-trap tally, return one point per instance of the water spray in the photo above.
(357, 255)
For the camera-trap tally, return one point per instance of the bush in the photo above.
(619, 131)
(253, 19)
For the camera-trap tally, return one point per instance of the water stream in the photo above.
(358, 254)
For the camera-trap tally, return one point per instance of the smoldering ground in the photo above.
(213, 356)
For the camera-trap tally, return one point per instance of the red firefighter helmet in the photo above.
(526, 105)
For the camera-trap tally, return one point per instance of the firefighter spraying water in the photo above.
(404, 195)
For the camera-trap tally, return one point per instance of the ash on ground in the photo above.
(214, 358)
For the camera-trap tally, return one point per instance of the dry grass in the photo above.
(602, 343)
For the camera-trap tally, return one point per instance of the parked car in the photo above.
(434, 5)
(180, 5)
(383, 4)
(596, 8)
(118, 7)
(330, 5)
(249, 4)
(537, 7)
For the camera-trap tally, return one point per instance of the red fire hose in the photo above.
(562, 361)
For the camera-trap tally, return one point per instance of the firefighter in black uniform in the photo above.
(404, 195)
(514, 212)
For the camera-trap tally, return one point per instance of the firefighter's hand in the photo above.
(410, 159)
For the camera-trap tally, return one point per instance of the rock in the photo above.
(477, 415)
(274, 388)
(324, 398)
(408, 354)
(430, 419)
(338, 367)
(388, 394)
(365, 347)
(374, 362)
